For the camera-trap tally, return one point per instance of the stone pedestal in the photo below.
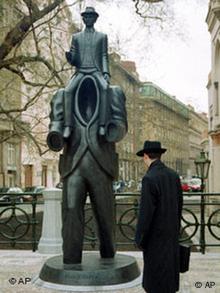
(51, 240)
(94, 271)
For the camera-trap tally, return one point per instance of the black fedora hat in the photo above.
(151, 147)
(90, 10)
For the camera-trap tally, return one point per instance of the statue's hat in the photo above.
(90, 10)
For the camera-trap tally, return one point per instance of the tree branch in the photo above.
(21, 75)
(28, 104)
(144, 15)
(18, 33)
(21, 60)
(31, 6)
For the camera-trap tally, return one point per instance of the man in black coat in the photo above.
(158, 224)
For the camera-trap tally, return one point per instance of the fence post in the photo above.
(51, 240)
(202, 227)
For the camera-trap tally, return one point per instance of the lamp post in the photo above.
(202, 164)
(202, 168)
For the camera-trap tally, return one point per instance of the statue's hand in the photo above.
(106, 77)
(115, 131)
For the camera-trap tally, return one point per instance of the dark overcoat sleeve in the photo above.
(146, 212)
(180, 200)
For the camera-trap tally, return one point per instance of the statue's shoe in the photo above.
(67, 132)
(101, 130)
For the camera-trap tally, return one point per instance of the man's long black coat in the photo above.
(158, 228)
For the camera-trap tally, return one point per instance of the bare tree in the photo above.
(32, 65)
(148, 10)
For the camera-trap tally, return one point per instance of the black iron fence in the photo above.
(21, 221)
(201, 220)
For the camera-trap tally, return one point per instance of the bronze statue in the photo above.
(89, 54)
(87, 118)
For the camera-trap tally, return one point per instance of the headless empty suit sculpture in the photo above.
(87, 118)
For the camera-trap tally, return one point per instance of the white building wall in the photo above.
(213, 21)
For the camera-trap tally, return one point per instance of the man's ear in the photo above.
(145, 157)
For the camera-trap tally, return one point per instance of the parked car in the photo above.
(118, 186)
(130, 185)
(14, 190)
(185, 185)
(139, 185)
(195, 184)
(3, 189)
(59, 185)
(32, 189)
(6, 199)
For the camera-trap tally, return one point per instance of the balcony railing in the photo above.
(21, 222)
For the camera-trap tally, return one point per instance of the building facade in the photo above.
(213, 21)
(24, 156)
(40, 166)
(166, 119)
(155, 115)
(198, 137)
(124, 74)
(10, 143)
(152, 114)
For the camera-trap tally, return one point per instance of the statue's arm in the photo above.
(105, 62)
(71, 55)
(55, 135)
(117, 127)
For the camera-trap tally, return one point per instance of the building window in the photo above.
(11, 178)
(11, 154)
(28, 173)
(211, 122)
(44, 175)
(216, 98)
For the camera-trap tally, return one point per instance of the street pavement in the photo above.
(19, 268)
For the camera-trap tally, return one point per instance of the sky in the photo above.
(177, 58)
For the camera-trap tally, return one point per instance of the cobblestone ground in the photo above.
(19, 267)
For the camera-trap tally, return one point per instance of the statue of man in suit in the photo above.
(89, 162)
(89, 54)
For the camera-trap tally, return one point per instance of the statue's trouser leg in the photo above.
(74, 196)
(103, 206)
(102, 200)
(87, 177)
(103, 86)
(69, 99)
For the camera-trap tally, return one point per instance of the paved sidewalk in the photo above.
(18, 267)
